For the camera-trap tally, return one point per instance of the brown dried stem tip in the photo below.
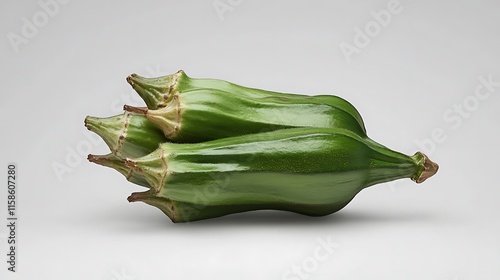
(430, 168)
(137, 110)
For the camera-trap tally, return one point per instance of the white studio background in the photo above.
(424, 75)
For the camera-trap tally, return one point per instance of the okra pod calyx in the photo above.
(155, 92)
(118, 164)
(128, 134)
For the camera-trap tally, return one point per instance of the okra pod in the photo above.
(186, 109)
(311, 171)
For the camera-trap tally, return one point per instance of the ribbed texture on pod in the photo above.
(311, 171)
(208, 114)
(159, 92)
(205, 148)
(154, 91)
(128, 134)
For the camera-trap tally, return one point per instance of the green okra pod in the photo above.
(196, 110)
(311, 171)
(208, 114)
(205, 148)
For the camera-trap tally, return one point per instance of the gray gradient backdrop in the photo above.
(409, 80)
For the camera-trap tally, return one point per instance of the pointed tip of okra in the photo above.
(154, 91)
(105, 160)
(90, 122)
(111, 161)
(118, 164)
(427, 167)
(96, 159)
(131, 79)
(167, 206)
(111, 129)
(139, 196)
